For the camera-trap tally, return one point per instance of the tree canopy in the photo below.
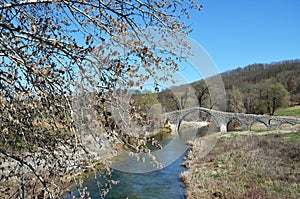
(276, 96)
(255, 81)
(53, 50)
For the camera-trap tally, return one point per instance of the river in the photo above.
(162, 183)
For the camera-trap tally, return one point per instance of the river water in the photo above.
(162, 183)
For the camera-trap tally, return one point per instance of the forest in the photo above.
(263, 88)
(253, 89)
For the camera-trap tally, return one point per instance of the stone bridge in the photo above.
(222, 119)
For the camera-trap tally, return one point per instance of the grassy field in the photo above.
(292, 111)
(246, 165)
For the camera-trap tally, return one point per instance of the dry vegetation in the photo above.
(246, 165)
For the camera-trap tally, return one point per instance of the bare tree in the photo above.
(202, 93)
(53, 50)
(235, 101)
(184, 98)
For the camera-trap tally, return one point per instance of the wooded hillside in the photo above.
(256, 88)
(263, 86)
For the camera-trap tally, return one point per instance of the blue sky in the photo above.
(236, 33)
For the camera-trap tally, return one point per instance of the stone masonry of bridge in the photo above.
(222, 119)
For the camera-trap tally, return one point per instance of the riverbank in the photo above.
(58, 182)
(171, 128)
(263, 164)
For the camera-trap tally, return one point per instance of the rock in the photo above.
(167, 127)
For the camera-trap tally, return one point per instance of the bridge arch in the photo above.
(198, 110)
(286, 122)
(266, 123)
(282, 123)
(285, 125)
(234, 124)
(258, 124)
(273, 121)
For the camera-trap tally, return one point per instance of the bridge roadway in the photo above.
(222, 119)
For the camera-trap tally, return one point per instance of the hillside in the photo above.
(256, 88)
(253, 83)
(286, 72)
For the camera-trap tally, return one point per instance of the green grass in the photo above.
(262, 130)
(292, 111)
(293, 138)
(215, 175)
(278, 189)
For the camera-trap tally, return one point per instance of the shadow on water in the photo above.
(163, 183)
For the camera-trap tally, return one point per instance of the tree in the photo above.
(145, 102)
(259, 104)
(276, 96)
(297, 97)
(291, 84)
(291, 87)
(54, 51)
(169, 100)
(202, 93)
(184, 98)
(235, 101)
(249, 101)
